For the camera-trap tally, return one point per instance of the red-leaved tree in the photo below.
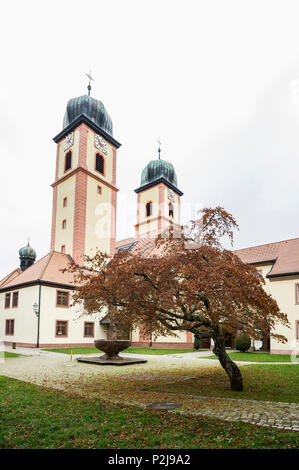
(183, 281)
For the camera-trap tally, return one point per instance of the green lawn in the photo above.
(261, 382)
(255, 357)
(33, 418)
(8, 354)
(93, 350)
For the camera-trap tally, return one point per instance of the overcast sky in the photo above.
(217, 81)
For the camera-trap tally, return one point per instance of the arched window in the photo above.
(148, 209)
(170, 210)
(68, 161)
(99, 163)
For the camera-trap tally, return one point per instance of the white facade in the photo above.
(26, 321)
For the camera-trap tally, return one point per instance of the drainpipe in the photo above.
(38, 314)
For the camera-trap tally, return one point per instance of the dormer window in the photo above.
(149, 209)
(99, 163)
(170, 210)
(68, 161)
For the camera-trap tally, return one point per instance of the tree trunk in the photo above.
(232, 370)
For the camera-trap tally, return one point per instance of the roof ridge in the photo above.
(8, 276)
(267, 244)
(47, 264)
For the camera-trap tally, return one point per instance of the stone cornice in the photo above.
(84, 119)
(156, 182)
(89, 173)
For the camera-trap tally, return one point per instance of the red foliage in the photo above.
(185, 283)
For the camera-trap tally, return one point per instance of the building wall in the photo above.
(159, 219)
(25, 328)
(108, 158)
(147, 224)
(26, 322)
(65, 236)
(98, 218)
(90, 217)
(282, 289)
(75, 155)
(183, 340)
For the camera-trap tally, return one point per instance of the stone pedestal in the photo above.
(111, 349)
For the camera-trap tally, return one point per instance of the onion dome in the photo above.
(93, 109)
(27, 256)
(157, 169)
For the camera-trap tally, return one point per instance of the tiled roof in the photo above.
(144, 244)
(10, 277)
(259, 254)
(288, 258)
(47, 269)
(284, 255)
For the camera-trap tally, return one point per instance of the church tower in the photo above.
(158, 198)
(84, 191)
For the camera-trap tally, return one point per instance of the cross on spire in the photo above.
(159, 149)
(88, 75)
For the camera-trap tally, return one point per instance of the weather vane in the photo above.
(28, 240)
(88, 75)
(159, 149)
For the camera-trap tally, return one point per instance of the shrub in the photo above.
(242, 342)
(196, 343)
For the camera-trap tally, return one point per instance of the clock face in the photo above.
(69, 141)
(171, 195)
(100, 143)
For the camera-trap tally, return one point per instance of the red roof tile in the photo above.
(46, 269)
(10, 277)
(284, 255)
(259, 254)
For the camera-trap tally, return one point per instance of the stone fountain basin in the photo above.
(112, 346)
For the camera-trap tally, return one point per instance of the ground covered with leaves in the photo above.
(261, 382)
(35, 417)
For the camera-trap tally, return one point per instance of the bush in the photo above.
(196, 343)
(242, 342)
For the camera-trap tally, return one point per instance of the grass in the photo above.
(8, 354)
(255, 357)
(261, 382)
(93, 350)
(33, 418)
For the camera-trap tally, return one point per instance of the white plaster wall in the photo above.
(98, 218)
(25, 330)
(74, 315)
(65, 236)
(282, 289)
